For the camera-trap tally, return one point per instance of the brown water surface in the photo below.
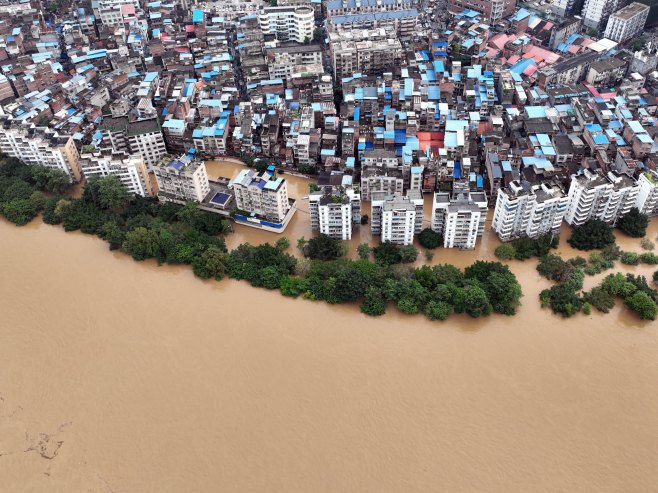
(128, 377)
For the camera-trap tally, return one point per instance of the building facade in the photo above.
(647, 196)
(594, 195)
(524, 210)
(627, 22)
(261, 194)
(395, 218)
(288, 23)
(335, 212)
(130, 170)
(493, 11)
(181, 179)
(459, 217)
(40, 146)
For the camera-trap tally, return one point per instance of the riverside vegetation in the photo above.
(175, 234)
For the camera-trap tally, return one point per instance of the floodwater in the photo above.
(119, 376)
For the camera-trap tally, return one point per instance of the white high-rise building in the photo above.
(524, 210)
(181, 179)
(460, 218)
(595, 12)
(288, 23)
(627, 22)
(130, 170)
(261, 194)
(40, 146)
(593, 195)
(647, 196)
(335, 212)
(396, 218)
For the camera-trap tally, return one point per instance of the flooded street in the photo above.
(120, 376)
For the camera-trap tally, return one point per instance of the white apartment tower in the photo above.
(595, 12)
(460, 218)
(181, 179)
(396, 218)
(40, 146)
(130, 170)
(525, 210)
(288, 23)
(647, 196)
(264, 195)
(593, 195)
(627, 22)
(335, 212)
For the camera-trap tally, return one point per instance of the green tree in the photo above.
(364, 219)
(408, 306)
(301, 244)
(374, 303)
(387, 253)
(141, 243)
(105, 193)
(408, 254)
(282, 243)
(430, 239)
(189, 214)
(553, 267)
(634, 223)
(19, 211)
(38, 199)
(210, 264)
(600, 299)
(593, 234)
(438, 310)
(506, 251)
(323, 247)
(475, 302)
(113, 234)
(363, 250)
(642, 303)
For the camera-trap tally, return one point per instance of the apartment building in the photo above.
(40, 146)
(647, 196)
(288, 23)
(181, 179)
(381, 172)
(595, 195)
(493, 11)
(143, 137)
(371, 51)
(459, 217)
(527, 210)
(130, 170)
(397, 218)
(115, 12)
(345, 7)
(595, 12)
(212, 140)
(262, 194)
(286, 60)
(627, 22)
(334, 211)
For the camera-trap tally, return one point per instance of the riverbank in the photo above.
(154, 380)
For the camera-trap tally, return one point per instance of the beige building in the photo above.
(130, 170)
(181, 179)
(40, 146)
(261, 194)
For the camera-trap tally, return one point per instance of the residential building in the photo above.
(528, 210)
(595, 12)
(40, 146)
(181, 179)
(459, 217)
(334, 211)
(286, 60)
(288, 23)
(397, 218)
(135, 137)
(647, 196)
(493, 11)
(130, 170)
(371, 51)
(595, 195)
(627, 22)
(606, 72)
(262, 194)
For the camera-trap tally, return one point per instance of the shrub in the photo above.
(630, 258)
(430, 239)
(647, 244)
(611, 252)
(655, 276)
(387, 253)
(374, 303)
(363, 250)
(600, 299)
(407, 305)
(648, 258)
(282, 243)
(438, 310)
(587, 308)
(593, 234)
(552, 267)
(19, 211)
(643, 305)
(505, 251)
(364, 219)
(323, 247)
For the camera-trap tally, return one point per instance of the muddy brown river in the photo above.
(118, 376)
